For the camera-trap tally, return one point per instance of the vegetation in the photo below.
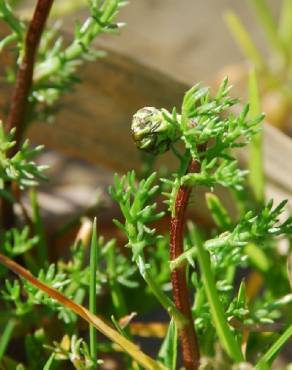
(218, 317)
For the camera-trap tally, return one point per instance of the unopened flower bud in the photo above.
(151, 131)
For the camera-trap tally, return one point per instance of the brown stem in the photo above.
(16, 115)
(19, 102)
(189, 342)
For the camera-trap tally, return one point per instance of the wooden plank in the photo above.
(95, 122)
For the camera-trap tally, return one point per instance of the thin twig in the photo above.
(190, 347)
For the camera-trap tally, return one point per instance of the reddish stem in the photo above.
(16, 116)
(189, 342)
(19, 102)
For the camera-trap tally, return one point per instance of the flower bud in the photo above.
(151, 131)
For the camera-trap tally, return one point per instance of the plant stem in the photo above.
(165, 301)
(16, 115)
(189, 342)
(92, 292)
(19, 102)
(90, 29)
(224, 333)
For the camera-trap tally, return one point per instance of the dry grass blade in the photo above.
(129, 347)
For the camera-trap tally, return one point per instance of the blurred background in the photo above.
(186, 38)
(165, 47)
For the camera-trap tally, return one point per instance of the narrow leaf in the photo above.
(92, 292)
(39, 229)
(49, 363)
(256, 166)
(6, 336)
(243, 39)
(168, 351)
(218, 211)
(285, 24)
(270, 354)
(268, 23)
(223, 330)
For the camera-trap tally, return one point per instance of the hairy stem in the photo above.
(189, 342)
(19, 102)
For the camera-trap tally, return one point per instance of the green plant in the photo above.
(212, 309)
(208, 133)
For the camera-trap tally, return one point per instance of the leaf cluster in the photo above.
(20, 167)
(16, 242)
(134, 198)
(209, 130)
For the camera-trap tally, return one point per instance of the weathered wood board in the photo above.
(95, 122)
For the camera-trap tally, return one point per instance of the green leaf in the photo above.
(243, 39)
(168, 351)
(265, 17)
(285, 24)
(274, 349)
(223, 330)
(257, 256)
(6, 337)
(256, 166)
(49, 363)
(39, 229)
(92, 291)
(218, 211)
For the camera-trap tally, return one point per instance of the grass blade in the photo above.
(256, 165)
(285, 24)
(224, 332)
(268, 23)
(6, 336)
(49, 363)
(92, 292)
(168, 350)
(129, 347)
(269, 355)
(243, 39)
(39, 229)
